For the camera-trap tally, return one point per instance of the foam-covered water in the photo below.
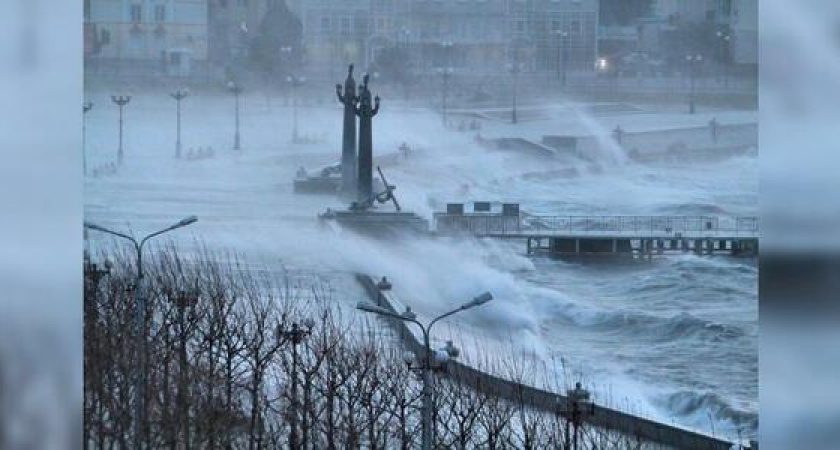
(675, 338)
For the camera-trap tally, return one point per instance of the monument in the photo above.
(362, 216)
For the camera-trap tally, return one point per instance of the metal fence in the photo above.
(675, 226)
(638, 226)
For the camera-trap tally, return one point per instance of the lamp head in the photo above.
(452, 350)
(93, 226)
(309, 323)
(479, 300)
(409, 314)
(187, 221)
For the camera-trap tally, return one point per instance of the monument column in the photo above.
(348, 149)
(366, 110)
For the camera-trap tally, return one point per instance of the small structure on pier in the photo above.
(484, 218)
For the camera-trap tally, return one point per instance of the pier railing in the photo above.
(630, 226)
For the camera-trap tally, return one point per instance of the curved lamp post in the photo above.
(446, 74)
(578, 403)
(694, 60)
(562, 55)
(515, 68)
(121, 101)
(295, 81)
(725, 39)
(140, 302)
(296, 335)
(235, 89)
(430, 361)
(86, 107)
(178, 96)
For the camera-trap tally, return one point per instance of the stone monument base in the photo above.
(378, 223)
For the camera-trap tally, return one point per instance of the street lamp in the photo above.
(406, 44)
(295, 335)
(183, 301)
(578, 402)
(430, 361)
(515, 68)
(295, 82)
(86, 107)
(178, 96)
(446, 74)
(562, 55)
(694, 60)
(724, 40)
(120, 101)
(235, 89)
(140, 304)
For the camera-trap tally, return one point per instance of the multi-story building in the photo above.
(146, 30)
(744, 32)
(474, 35)
(232, 24)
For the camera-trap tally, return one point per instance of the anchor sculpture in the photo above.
(379, 197)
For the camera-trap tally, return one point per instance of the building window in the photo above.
(104, 37)
(520, 26)
(576, 28)
(325, 24)
(242, 2)
(160, 13)
(136, 13)
(345, 25)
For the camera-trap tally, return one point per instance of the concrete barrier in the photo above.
(702, 142)
(645, 430)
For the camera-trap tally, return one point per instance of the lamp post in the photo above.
(430, 361)
(724, 40)
(86, 107)
(578, 402)
(178, 96)
(235, 89)
(562, 55)
(140, 324)
(121, 101)
(296, 336)
(694, 60)
(406, 46)
(93, 274)
(295, 81)
(183, 301)
(446, 74)
(515, 68)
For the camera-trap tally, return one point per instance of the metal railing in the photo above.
(630, 226)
